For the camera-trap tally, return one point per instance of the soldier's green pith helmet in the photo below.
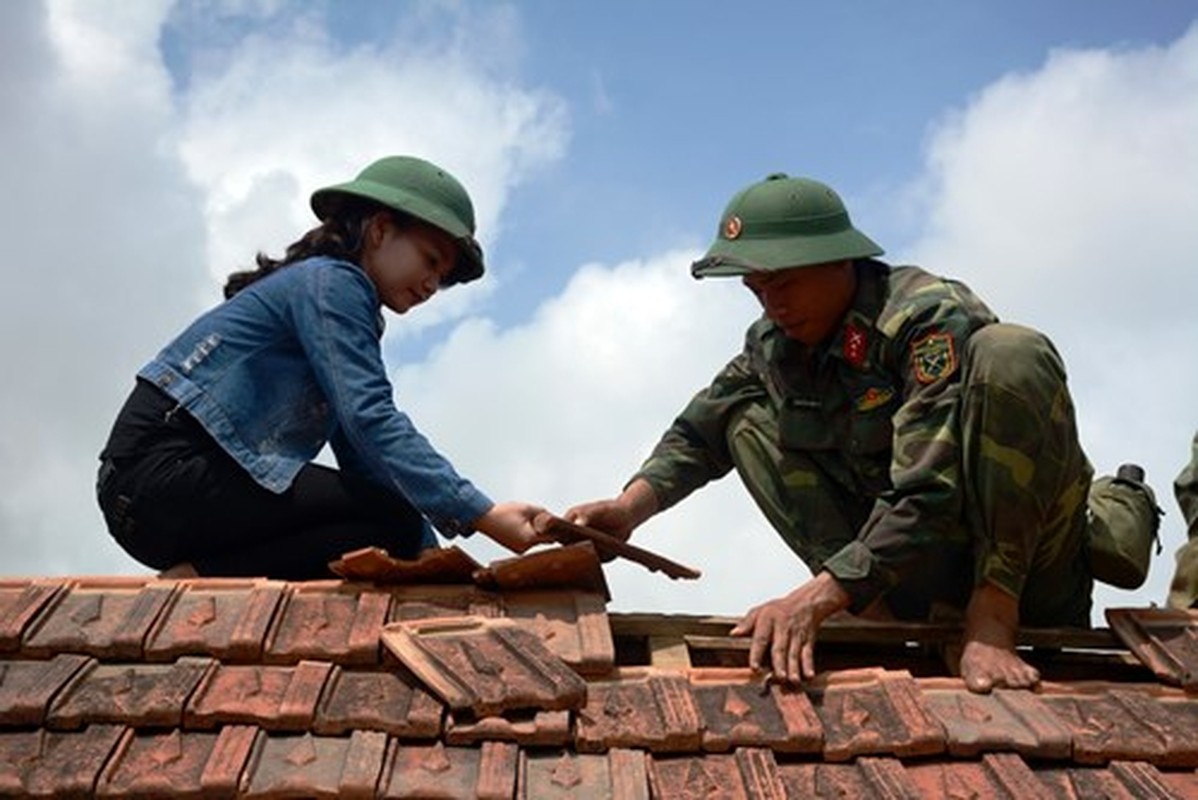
(783, 222)
(425, 191)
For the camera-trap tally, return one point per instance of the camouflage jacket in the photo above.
(876, 406)
(1186, 490)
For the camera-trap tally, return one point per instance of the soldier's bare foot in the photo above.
(180, 570)
(988, 658)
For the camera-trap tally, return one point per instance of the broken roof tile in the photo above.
(177, 764)
(573, 625)
(563, 775)
(434, 771)
(225, 618)
(435, 565)
(389, 700)
(142, 695)
(1164, 639)
(749, 773)
(737, 712)
(41, 763)
(485, 665)
(574, 566)
(648, 708)
(27, 687)
(275, 698)
(315, 766)
(20, 602)
(868, 776)
(872, 712)
(330, 621)
(1005, 719)
(539, 729)
(569, 532)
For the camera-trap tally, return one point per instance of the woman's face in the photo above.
(406, 263)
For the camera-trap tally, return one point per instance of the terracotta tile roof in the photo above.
(524, 687)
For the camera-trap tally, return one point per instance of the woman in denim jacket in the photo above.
(208, 469)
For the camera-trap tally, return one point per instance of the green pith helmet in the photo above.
(783, 222)
(423, 190)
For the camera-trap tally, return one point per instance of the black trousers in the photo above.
(179, 497)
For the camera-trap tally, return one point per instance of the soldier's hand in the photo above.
(618, 516)
(609, 516)
(784, 629)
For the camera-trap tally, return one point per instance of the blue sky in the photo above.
(676, 105)
(673, 105)
(1045, 153)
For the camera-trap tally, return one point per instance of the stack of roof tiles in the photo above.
(140, 687)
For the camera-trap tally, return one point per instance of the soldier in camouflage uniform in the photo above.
(1184, 591)
(902, 441)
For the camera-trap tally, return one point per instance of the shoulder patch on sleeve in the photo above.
(934, 357)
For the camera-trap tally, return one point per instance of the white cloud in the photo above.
(279, 116)
(1067, 198)
(101, 234)
(124, 202)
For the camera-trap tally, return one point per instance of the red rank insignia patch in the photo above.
(933, 357)
(855, 345)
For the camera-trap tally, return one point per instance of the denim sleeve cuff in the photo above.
(854, 569)
(474, 505)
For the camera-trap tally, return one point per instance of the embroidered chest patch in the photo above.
(933, 357)
(874, 397)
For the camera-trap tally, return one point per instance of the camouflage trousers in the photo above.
(1022, 472)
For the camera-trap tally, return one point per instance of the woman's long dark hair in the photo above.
(340, 236)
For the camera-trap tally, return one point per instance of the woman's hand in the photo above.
(510, 524)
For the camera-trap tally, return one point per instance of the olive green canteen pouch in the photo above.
(1123, 524)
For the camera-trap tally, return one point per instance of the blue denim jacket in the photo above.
(294, 361)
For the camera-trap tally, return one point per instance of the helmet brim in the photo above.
(731, 257)
(469, 266)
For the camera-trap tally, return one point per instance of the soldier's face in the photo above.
(807, 303)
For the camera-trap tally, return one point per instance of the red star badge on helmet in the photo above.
(732, 227)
